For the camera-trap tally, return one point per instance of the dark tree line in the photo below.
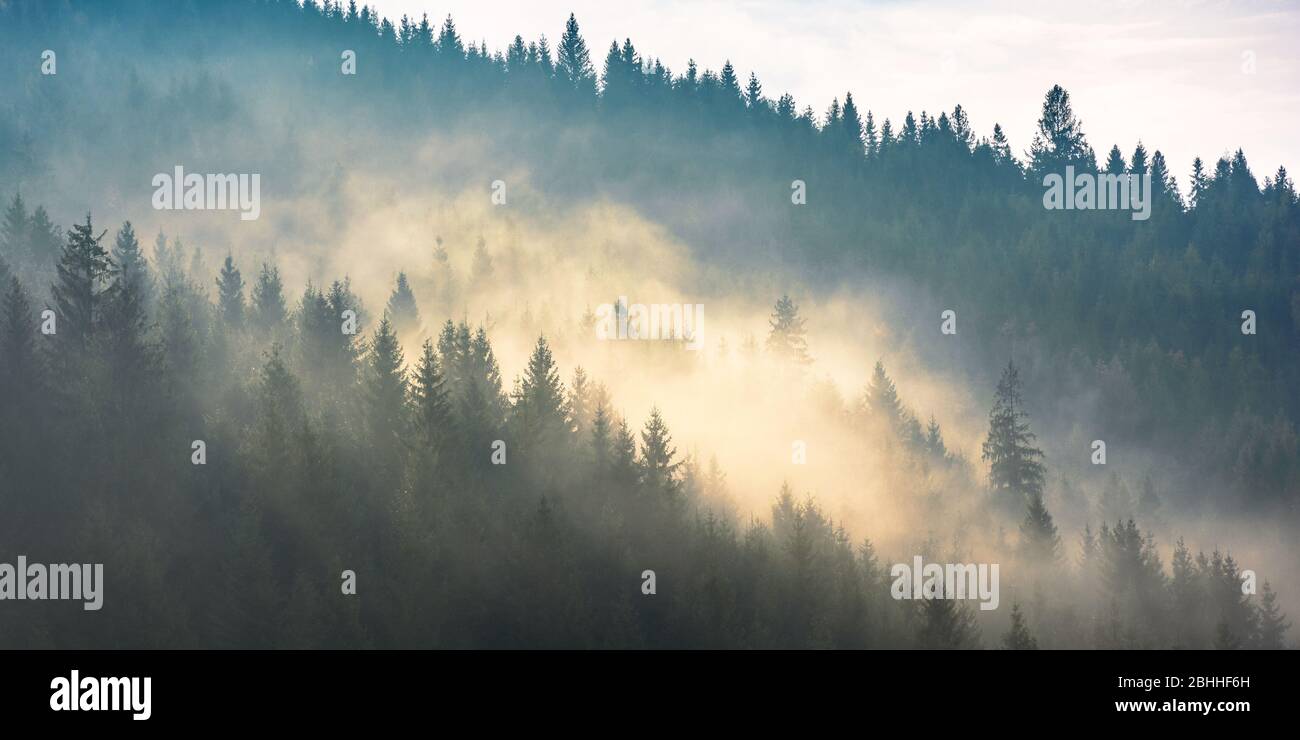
(1149, 309)
(327, 452)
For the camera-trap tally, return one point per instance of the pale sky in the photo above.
(1185, 76)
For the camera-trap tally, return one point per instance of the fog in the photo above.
(362, 182)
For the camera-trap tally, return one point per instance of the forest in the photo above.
(493, 475)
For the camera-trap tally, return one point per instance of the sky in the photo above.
(1187, 77)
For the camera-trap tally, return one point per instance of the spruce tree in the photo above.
(946, 624)
(83, 273)
(387, 417)
(624, 464)
(573, 61)
(1016, 472)
(268, 301)
(1115, 162)
(658, 468)
(850, 128)
(15, 231)
(880, 400)
(230, 294)
(132, 268)
(1138, 164)
(432, 418)
(580, 403)
(1273, 623)
(602, 431)
(129, 353)
(1039, 541)
(754, 93)
(19, 371)
(787, 338)
(449, 47)
(481, 270)
(402, 309)
(1018, 637)
(1059, 140)
(43, 240)
(280, 414)
(540, 410)
(934, 439)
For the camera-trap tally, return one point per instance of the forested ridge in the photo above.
(328, 451)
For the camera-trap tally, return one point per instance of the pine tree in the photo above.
(129, 353)
(386, 385)
(880, 401)
(870, 136)
(167, 259)
(911, 134)
(1018, 637)
(573, 61)
(657, 466)
(449, 46)
(601, 435)
(540, 411)
(1273, 623)
(1164, 182)
(754, 93)
(19, 370)
(43, 240)
(230, 294)
(180, 342)
(402, 309)
(1199, 182)
(1115, 162)
(1015, 469)
(83, 272)
(1087, 550)
(1225, 638)
(617, 81)
(850, 128)
(785, 107)
(268, 301)
(1002, 148)
(729, 83)
(481, 270)
(132, 266)
(934, 440)
(946, 624)
(517, 57)
(623, 455)
(1138, 164)
(432, 416)
(787, 339)
(198, 269)
(1059, 140)
(1187, 598)
(887, 140)
(1039, 541)
(580, 403)
(279, 414)
(961, 130)
(15, 231)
